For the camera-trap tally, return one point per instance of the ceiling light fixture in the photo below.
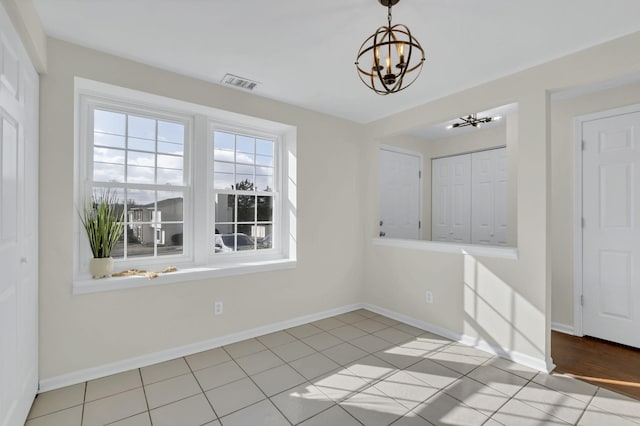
(402, 53)
(473, 120)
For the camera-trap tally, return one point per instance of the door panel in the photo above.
(18, 227)
(611, 238)
(400, 197)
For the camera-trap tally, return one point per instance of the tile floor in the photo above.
(351, 369)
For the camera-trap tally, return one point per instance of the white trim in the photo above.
(445, 247)
(577, 228)
(89, 285)
(169, 354)
(562, 328)
(578, 285)
(478, 343)
(172, 353)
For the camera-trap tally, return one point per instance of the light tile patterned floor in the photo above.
(358, 368)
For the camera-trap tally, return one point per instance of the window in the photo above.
(199, 187)
(243, 176)
(140, 158)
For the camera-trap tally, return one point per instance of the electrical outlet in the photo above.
(429, 297)
(217, 308)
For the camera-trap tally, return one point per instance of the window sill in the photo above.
(86, 285)
(437, 246)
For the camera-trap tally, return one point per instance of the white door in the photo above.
(18, 228)
(400, 198)
(611, 231)
(489, 197)
(451, 199)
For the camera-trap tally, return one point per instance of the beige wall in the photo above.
(505, 303)
(563, 212)
(84, 331)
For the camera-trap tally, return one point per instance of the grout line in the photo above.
(258, 387)
(144, 391)
(84, 400)
(587, 406)
(202, 389)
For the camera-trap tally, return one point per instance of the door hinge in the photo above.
(584, 145)
(581, 300)
(419, 224)
(583, 222)
(419, 174)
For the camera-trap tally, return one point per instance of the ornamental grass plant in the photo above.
(103, 219)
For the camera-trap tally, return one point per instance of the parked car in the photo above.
(224, 243)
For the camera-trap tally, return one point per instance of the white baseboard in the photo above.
(169, 354)
(562, 328)
(515, 356)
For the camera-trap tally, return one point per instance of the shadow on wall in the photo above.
(487, 299)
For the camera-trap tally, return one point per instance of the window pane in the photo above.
(170, 205)
(103, 172)
(140, 240)
(169, 177)
(170, 148)
(244, 170)
(223, 140)
(223, 155)
(141, 159)
(171, 235)
(219, 166)
(223, 180)
(246, 208)
(137, 174)
(141, 127)
(140, 205)
(118, 250)
(224, 238)
(264, 183)
(263, 236)
(170, 161)
(242, 157)
(245, 145)
(264, 147)
(141, 144)
(244, 183)
(170, 132)
(109, 122)
(265, 209)
(263, 160)
(106, 155)
(225, 208)
(103, 139)
(264, 171)
(243, 240)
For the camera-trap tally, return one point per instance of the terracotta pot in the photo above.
(101, 268)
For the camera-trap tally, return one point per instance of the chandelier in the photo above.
(402, 53)
(473, 120)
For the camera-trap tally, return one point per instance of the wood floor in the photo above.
(602, 363)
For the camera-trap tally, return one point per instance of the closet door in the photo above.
(489, 197)
(18, 227)
(451, 199)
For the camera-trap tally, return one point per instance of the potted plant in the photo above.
(103, 219)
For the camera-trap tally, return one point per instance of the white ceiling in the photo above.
(303, 51)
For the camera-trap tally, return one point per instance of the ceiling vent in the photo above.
(239, 82)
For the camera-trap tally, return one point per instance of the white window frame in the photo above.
(199, 259)
(215, 126)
